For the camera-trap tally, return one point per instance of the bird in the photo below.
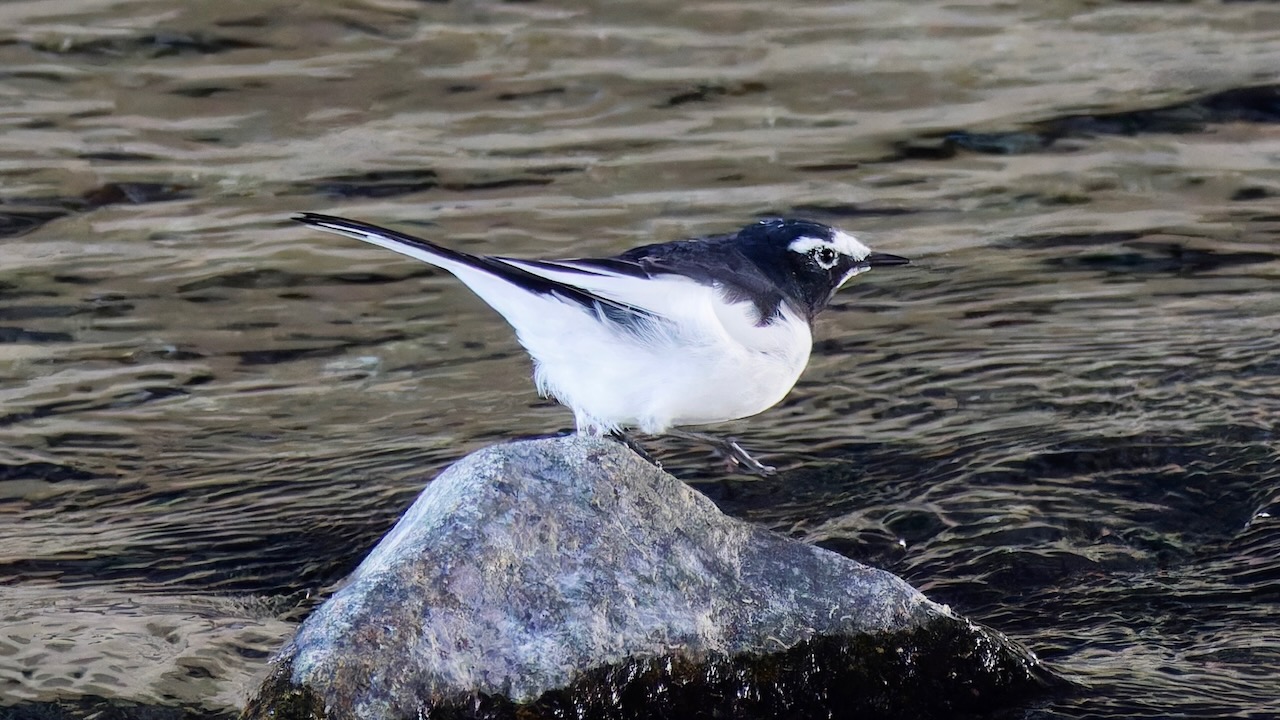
(665, 336)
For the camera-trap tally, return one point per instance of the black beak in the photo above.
(879, 259)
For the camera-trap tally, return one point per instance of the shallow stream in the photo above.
(1061, 420)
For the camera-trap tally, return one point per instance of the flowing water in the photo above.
(1061, 420)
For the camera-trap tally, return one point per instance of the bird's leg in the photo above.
(634, 447)
(730, 450)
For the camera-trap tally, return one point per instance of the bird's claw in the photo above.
(739, 459)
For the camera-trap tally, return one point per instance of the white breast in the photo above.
(711, 363)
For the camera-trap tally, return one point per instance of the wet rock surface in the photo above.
(567, 577)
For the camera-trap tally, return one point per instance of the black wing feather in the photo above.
(617, 312)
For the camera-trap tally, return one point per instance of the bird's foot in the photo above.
(738, 458)
(634, 447)
(728, 448)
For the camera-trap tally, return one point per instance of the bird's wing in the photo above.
(666, 294)
(503, 284)
(703, 292)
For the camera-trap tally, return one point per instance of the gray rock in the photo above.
(569, 577)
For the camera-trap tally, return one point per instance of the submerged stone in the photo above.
(569, 578)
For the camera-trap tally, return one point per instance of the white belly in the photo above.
(699, 376)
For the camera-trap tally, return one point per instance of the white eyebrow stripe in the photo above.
(842, 242)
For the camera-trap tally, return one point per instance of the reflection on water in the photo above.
(1061, 420)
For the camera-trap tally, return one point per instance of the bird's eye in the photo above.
(824, 256)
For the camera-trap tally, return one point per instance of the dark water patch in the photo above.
(104, 306)
(206, 299)
(45, 472)
(838, 210)
(89, 707)
(287, 355)
(1076, 240)
(1011, 143)
(43, 411)
(355, 25)
(11, 291)
(67, 279)
(445, 362)
(276, 356)
(827, 167)
(1259, 104)
(21, 335)
(1153, 257)
(707, 92)
(531, 94)
(1246, 194)
(393, 183)
(496, 184)
(1249, 561)
(821, 480)
(109, 156)
(130, 398)
(272, 278)
(375, 184)
(49, 76)
(134, 193)
(1170, 498)
(20, 222)
(249, 21)
(553, 170)
(203, 91)
(1197, 490)
(242, 326)
(36, 312)
(149, 46)
(607, 147)
(88, 440)
(1050, 199)
(147, 394)
(250, 280)
(373, 278)
(920, 149)
(207, 542)
(197, 562)
(30, 213)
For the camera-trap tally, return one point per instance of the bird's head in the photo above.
(809, 261)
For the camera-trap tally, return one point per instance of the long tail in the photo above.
(415, 247)
(465, 266)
